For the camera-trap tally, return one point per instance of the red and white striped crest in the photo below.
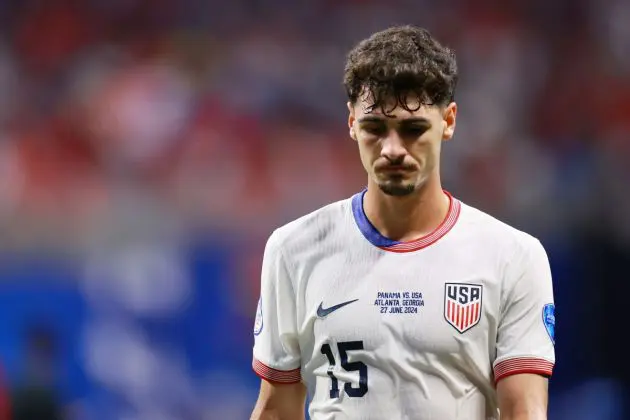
(462, 305)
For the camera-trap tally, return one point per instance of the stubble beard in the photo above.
(397, 190)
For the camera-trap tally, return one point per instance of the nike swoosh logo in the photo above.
(321, 312)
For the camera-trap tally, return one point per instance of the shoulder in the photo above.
(494, 233)
(510, 251)
(312, 229)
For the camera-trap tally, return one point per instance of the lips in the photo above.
(395, 168)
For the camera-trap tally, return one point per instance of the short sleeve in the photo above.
(525, 337)
(276, 347)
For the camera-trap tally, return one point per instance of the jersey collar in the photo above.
(377, 239)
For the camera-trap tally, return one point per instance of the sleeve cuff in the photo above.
(276, 376)
(518, 365)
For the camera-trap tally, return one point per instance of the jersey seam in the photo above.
(509, 289)
(290, 269)
(286, 263)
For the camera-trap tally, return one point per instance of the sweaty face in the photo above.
(400, 151)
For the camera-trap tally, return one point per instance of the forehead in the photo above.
(364, 108)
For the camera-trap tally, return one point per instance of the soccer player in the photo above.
(402, 302)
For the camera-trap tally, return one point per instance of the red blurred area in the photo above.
(235, 122)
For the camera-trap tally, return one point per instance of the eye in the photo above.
(374, 129)
(413, 131)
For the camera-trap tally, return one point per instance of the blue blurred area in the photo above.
(41, 292)
(178, 354)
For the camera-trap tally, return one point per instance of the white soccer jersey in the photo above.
(378, 329)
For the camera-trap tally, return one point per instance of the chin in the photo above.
(397, 190)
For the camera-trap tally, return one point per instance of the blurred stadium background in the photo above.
(148, 147)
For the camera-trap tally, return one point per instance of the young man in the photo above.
(402, 302)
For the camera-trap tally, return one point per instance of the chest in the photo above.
(426, 303)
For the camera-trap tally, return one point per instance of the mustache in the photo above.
(395, 165)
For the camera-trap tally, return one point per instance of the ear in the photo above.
(450, 120)
(351, 121)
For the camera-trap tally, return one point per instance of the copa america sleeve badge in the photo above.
(549, 319)
(258, 323)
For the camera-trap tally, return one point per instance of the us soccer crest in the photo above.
(462, 305)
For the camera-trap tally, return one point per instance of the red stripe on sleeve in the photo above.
(522, 365)
(274, 375)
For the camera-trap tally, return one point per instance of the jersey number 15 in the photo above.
(344, 348)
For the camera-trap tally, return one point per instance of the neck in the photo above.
(410, 217)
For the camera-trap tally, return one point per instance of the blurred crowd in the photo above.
(232, 114)
(151, 124)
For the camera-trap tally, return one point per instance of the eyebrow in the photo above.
(411, 120)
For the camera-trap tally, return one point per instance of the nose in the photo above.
(393, 148)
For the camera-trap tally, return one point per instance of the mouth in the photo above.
(395, 169)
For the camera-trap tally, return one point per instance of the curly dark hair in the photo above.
(398, 62)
